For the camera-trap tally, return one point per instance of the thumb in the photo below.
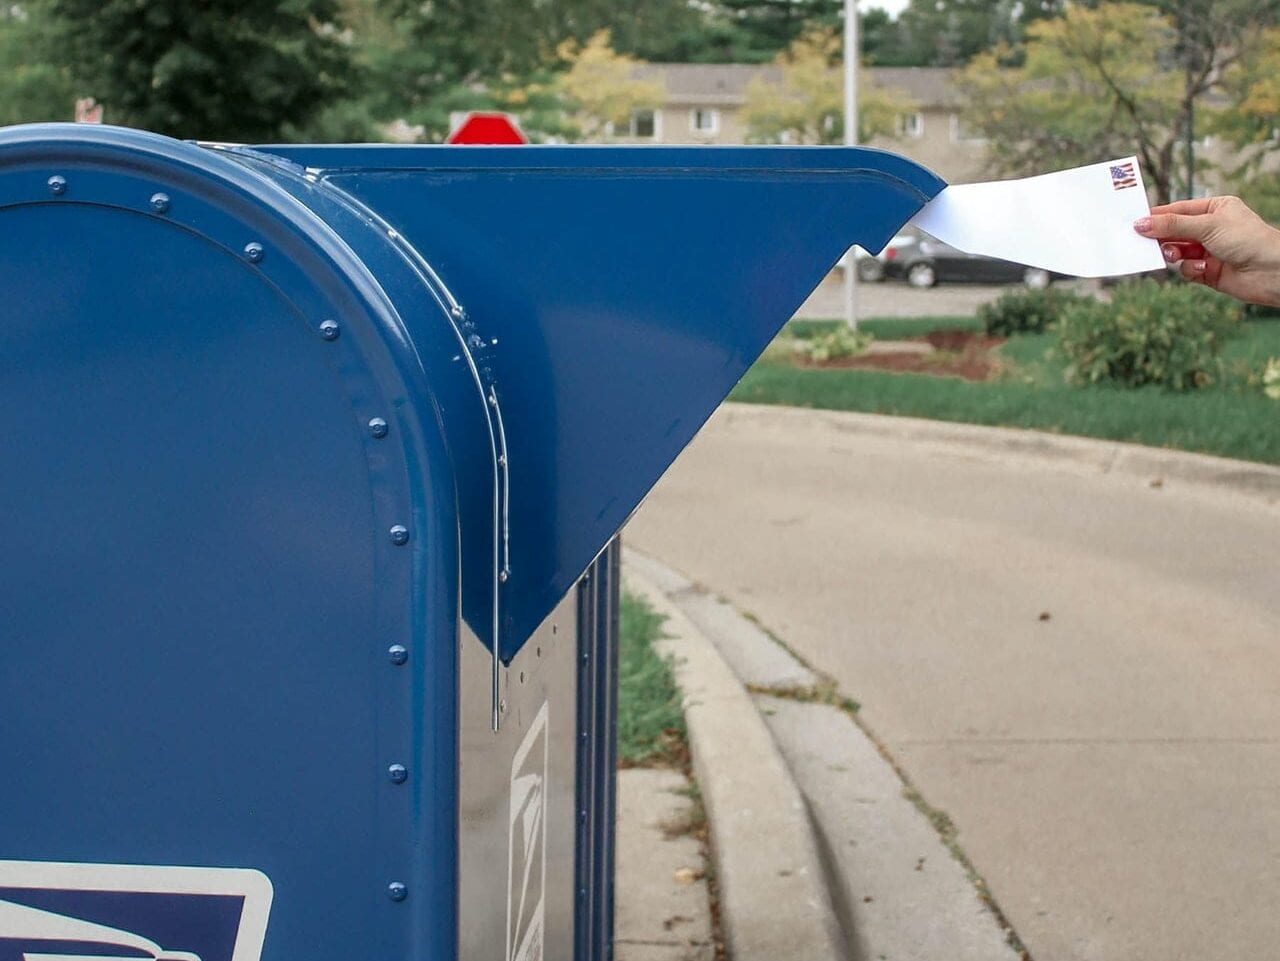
(1184, 226)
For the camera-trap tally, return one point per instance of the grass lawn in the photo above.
(650, 720)
(1233, 419)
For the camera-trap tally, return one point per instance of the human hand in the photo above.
(1221, 243)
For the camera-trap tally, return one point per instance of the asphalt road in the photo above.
(894, 298)
(1082, 670)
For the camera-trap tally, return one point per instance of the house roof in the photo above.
(712, 83)
(927, 86)
(726, 83)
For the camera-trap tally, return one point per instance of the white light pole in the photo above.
(851, 138)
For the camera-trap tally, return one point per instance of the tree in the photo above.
(35, 86)
(807, 105)
(1098, 82)
(662, 30)
(242, 70)
(601, 88)
(444, 43)
(1252, 85)
(948, 33)
(761, 29)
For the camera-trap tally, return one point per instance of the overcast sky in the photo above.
(895, 7)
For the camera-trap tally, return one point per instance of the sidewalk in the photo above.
(663, 912)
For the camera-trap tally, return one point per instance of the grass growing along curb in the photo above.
(1232, 420)
(651, 728)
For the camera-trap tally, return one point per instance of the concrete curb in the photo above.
(1246, 478)
(774, 901)
(898, 891)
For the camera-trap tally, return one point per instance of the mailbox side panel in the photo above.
(536, 812)
(598, 606)
(517, 823)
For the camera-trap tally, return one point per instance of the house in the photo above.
(704, 104)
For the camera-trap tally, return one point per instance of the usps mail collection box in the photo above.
(312, 462)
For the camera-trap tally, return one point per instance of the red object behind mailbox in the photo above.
(488, 128)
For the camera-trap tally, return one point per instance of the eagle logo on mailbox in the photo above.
(113, 912)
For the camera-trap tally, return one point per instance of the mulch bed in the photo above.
(956, 353)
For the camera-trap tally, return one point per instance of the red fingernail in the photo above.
(1170, 253)
(1142, 225)
(1198, 266)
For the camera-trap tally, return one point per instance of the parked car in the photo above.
(923, 261)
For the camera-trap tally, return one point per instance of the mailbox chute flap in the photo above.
(621, 293)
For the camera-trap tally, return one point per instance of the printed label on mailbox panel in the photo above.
(527, 845)
(122, 912)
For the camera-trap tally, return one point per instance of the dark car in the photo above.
(922, 261)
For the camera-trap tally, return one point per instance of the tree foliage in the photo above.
(948, 33)
(1252, 85)
(229, 69)
(601, 88)
(1098, 82)
(36, 85)
(806, 106)
(760, 29)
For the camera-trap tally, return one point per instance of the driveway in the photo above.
(1082, 670)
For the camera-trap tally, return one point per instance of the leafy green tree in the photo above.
(1252, 85)
(948, 33)
(244, 70)
(1098, 82)
(601, 87)
(761, 29)
(437, 45)
(807, 106)
(662, 30)
(35, 87)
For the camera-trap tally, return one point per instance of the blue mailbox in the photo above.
(313, 460)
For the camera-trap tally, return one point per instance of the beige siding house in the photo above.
(704, 104)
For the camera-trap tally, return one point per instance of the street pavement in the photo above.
(895, 298)
(1081, 669)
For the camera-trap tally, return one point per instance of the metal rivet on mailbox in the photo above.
(400, 535)
(254, 252)
(160, 203)
(378, 427)
(396, 891)
(398, 773)
(329, 330)
(398, 653)
(57, 185)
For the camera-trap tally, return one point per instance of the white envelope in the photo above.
(1077, 222)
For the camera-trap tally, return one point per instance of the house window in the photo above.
(704, 121)
(961, 132)
(912, 124)
(644, 124)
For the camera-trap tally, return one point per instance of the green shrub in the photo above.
(1271, 379)
(841, 342)
(1025, 311)
(1170, 335)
